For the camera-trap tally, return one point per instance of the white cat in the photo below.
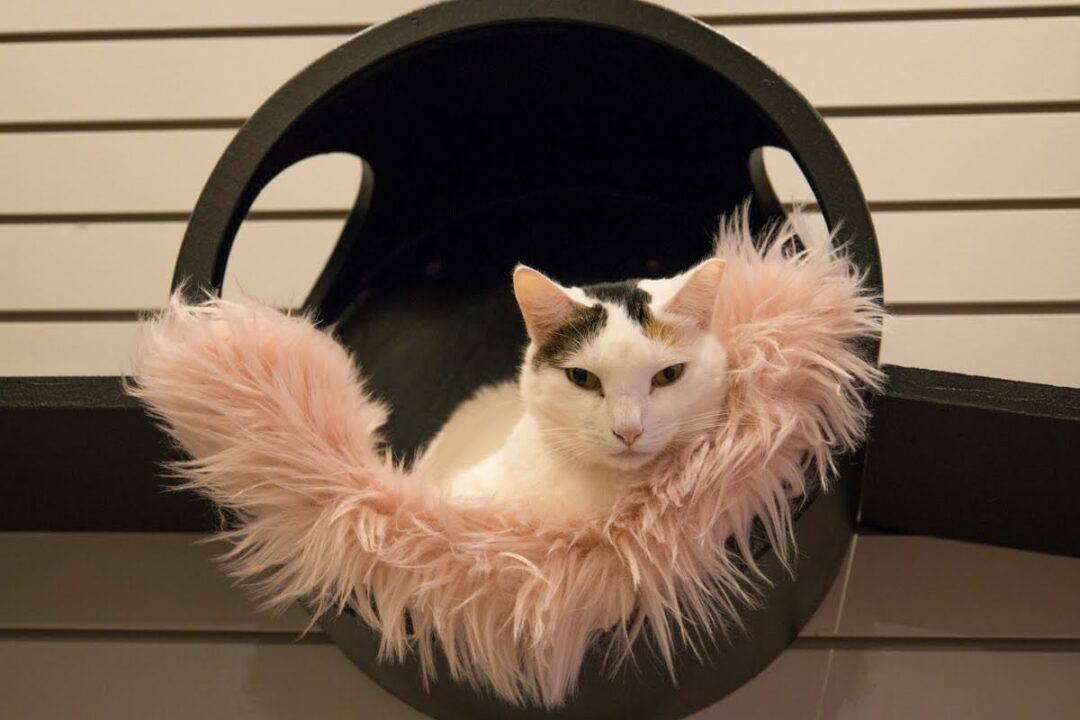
(614, 375)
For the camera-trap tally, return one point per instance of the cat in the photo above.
(613, 376)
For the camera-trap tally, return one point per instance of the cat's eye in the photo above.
(583, 378)
(668, 375)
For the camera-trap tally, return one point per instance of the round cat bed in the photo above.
(596, 141)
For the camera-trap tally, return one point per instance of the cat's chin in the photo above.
(628, 460)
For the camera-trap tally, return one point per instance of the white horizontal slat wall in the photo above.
(924, 159)
(961, 118)
(968, 143)
(1035, 348)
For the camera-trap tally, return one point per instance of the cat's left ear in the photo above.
(696, 299)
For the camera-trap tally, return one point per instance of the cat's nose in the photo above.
(627, 436)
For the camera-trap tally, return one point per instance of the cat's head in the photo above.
(615, 373)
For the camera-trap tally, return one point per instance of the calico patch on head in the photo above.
(629, 295)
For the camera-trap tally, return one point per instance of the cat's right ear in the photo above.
(544, 304)
(696, 298)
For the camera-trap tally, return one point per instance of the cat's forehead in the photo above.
(615, 324)
(626, 342)
(632, 300)
(630, 331)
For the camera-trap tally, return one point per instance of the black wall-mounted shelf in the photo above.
(975, 458)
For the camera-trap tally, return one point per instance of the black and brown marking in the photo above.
(625, 293)
(636, 302)
(589, 320)
(585, 325)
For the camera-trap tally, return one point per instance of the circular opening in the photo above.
(781, 184)
(291, 230)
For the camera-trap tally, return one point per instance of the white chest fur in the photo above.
(490, 449)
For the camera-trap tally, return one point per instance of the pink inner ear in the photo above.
(696, 299)
(544, 304)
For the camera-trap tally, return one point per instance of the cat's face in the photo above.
(616, 373)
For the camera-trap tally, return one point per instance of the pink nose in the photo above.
(628, 436)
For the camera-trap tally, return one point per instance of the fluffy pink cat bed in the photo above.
(280, 432)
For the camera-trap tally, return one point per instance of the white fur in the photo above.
(551, 444)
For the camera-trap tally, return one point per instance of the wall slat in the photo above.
(896, 158)
(958, 157)
(1032, 348)
(145, 171)
(129, 266)
(853, 64)
(66, 348)
(929, 257)
(58, 15)
(972, 257)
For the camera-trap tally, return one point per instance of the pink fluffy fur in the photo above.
(273, 414)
